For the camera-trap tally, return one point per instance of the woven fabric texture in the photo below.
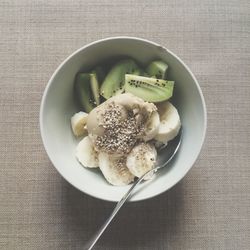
(208, 209)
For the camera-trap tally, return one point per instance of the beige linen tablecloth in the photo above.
(209, 209)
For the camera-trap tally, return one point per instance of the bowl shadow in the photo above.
(137, 223)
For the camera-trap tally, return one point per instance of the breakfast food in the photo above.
(125, 118)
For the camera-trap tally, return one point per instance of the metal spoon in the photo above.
(165, 155)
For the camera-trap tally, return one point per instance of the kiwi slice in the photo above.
(149, 89)
(157, 69)
(100, 73)
(94, 84)
(113, 83)
(83, 91)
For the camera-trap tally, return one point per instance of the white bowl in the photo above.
(58, 105)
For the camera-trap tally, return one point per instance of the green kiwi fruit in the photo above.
(149, 89)
(100, 73)
(83, 91)
(113, 83)
(94, 84)
(157, 69)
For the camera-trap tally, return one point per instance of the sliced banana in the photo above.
(86, 154)
(169, 122)
(141, 159)
(115, 170)
(152, 126)
(78, 123)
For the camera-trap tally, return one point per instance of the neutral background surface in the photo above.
(209, 209)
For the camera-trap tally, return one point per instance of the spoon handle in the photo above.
(118, 206)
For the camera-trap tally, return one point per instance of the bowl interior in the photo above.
(58, 105)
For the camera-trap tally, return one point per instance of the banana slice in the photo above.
(170, 122)
(152, 126)
(141, 159)
(86, 154)
(78, 123)
(115, 170)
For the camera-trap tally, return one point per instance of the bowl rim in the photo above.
(48, 85)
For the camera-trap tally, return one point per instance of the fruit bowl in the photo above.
(59, 104)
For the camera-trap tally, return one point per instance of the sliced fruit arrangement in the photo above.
(125, 75)
(124, 106)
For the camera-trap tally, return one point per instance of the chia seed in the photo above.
(120, 134)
